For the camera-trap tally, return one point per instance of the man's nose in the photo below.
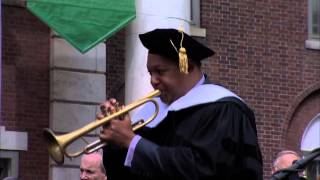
(83, 176)
(154, 80)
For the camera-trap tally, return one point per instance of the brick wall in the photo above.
(260, 54)
(25, 86)
(115, 66)
(25, 83)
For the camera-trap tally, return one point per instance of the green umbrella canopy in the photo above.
(84, 23)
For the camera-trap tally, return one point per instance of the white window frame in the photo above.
(313, 41)
(195, 12)
(310, 141)
(13, 165)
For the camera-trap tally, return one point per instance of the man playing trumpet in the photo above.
(203, 131)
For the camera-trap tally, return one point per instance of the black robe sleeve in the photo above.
(219, 142)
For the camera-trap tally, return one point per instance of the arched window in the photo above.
(311, 141)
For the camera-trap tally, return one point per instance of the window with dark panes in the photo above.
(195, 12)
(314, 19)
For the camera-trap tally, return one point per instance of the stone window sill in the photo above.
(312, 44)
(198, 32)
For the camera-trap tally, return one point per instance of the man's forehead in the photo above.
(93, 159)
(289, 157)
(93, 156)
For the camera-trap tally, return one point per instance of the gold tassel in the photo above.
(183, 58)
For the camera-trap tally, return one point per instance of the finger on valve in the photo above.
(108, 107)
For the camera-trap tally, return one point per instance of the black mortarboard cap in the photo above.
(167, 42)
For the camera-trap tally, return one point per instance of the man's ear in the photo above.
(273, 169)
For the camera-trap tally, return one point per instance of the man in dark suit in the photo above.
(203, 131)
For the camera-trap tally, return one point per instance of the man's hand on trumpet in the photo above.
(119, 130)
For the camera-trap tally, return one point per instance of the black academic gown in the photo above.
(216, 140)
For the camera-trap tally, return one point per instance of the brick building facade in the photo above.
(25, 85)
(260, 54)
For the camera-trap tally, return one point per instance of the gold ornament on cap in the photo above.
(183, 57)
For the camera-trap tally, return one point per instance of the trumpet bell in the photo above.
(54, 147)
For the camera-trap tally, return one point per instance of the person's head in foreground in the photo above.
(284, 160)
(91, 167)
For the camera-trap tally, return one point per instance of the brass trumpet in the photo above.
(57, 144)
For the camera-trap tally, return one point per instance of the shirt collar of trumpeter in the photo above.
(201, 93)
